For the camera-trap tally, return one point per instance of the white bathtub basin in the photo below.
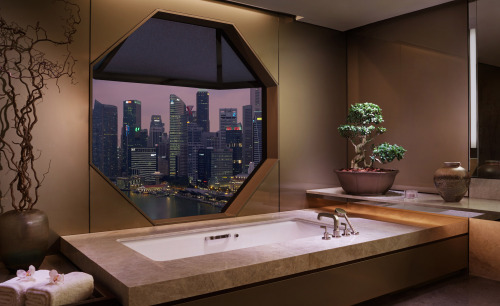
(188, 244)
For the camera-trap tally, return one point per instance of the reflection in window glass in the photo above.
(176, 151)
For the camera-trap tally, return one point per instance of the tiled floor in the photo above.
(456, 290)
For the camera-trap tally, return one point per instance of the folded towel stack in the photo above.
(12, 292)
(77, 286)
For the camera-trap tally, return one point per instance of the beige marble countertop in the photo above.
(434, 202)
(138, 280)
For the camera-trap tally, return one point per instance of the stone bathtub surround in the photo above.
(393, 198)
(138, 280)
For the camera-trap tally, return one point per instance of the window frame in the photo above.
(264, 80)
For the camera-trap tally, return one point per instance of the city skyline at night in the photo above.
(155, 100)
(150, 146)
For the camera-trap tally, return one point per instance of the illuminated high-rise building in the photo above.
(144, 163)
(131, 132)
(204, 166)
(178, 166)
(156, 130)
(257, 141)
(203, 110)
(132, 113)
(190, 114)
(163, 155)
(257, 138)
(234, 141)
(247, 136)
(221, 168)
(227, 118)
(105, 138)
(194, 144)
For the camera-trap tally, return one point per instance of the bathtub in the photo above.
(296, 263)
(166, 247)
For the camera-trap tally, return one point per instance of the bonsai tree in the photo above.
(361, 129)
(25, 71)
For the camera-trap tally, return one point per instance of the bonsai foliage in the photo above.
(25, 70)
(361, 129)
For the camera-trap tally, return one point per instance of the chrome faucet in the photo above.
(342, 213)
(336, 227)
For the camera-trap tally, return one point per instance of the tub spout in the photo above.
(336, 227)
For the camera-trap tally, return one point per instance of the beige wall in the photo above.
(312, 95)
(415, 67)
(61, 135)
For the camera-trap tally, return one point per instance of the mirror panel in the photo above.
(484, 21)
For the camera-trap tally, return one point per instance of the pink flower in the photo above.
(26, 275)
(55, 277)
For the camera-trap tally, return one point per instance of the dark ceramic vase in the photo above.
(366, 183)
(452, 181)
(24, 238)
(490, 170)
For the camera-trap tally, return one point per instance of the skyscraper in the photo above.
(210, 139)
(132, 113)
(204, 166)
(227, 118)
(156, 130)
(221, 168)
(256, 102)
(178, 138)
(163, 155)
(202, 110)
(144, 163)
(256, 99)
(257, 138)
(194, 144)
(234, 141)
(190, 114)
(105, 138)
(247, 136)
(131, 131)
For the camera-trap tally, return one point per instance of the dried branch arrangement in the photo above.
(25, 70)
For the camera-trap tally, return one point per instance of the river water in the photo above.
(170, 207)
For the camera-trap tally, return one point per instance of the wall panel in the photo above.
(312, 97)
(61, 135)
(415, 67)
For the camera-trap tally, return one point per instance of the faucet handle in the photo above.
(326, 235)
(346, 230)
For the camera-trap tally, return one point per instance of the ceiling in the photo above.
(342, 15)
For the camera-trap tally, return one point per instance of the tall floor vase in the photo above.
(24, 238)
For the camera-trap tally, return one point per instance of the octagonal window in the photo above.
(178, 116)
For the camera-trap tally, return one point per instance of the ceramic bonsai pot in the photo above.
(366, 182)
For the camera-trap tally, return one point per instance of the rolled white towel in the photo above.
(77, 286)
(12, 292)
